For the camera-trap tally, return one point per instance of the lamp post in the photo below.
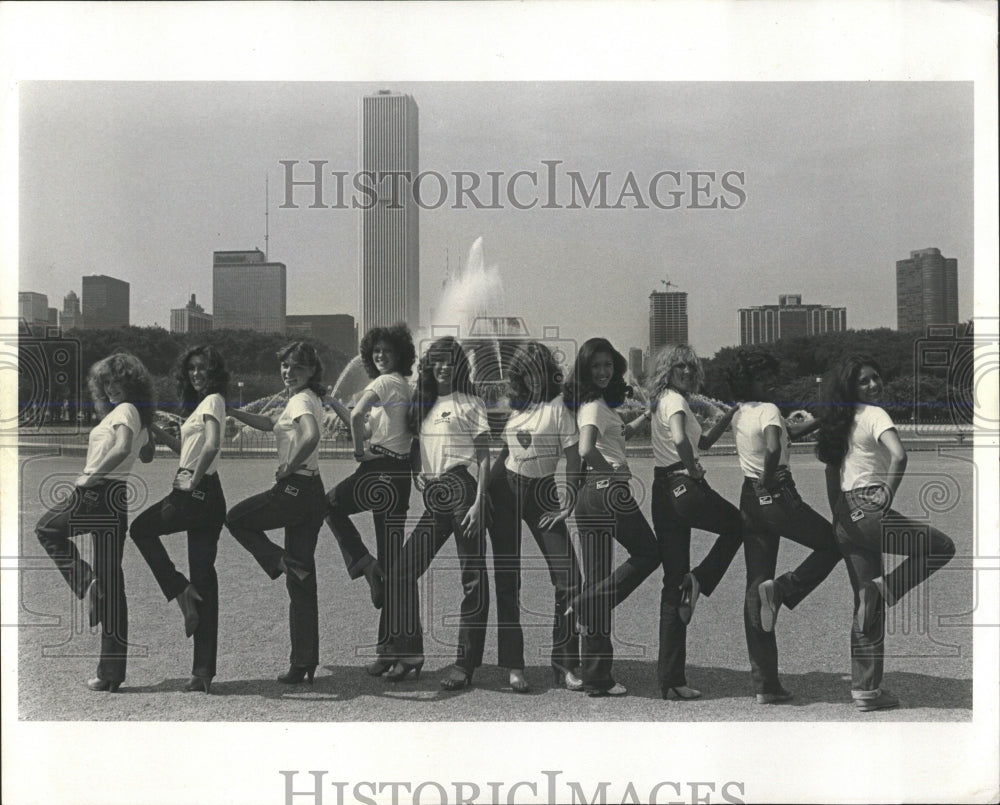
(239, 384)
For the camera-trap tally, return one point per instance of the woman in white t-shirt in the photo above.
(538, 432)
(682, 500)
(865, 462)
(453, 472)
(122, 391)
(606, 512)
(772, 509)
(381, 483)
(296, 503)
(196, 505)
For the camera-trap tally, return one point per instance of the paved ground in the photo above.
(929, 661)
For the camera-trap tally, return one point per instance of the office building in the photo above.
(191, 318)
(635, 363)
(105, 302)
(248, 292)
(70, 317)
(389, 260)
(765, 324)
(668, 319)
(33, 311)
(926, 290)
(336, 330)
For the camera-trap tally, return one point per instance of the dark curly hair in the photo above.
(579, 388)
(399, 338)
(218, 377)
(427, 388)
(304, 354)
(838, 406)
(131, 374)
(533, 359)
(747, 365)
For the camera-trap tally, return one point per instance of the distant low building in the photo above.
(765, 324)
(191, 318)
(336, 330)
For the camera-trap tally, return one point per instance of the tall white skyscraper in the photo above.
(389, 260)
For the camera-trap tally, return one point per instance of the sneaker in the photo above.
(691, 589)
(770, 603)
(572, 681)
(883, 701)
(780, 697)
(618, 689)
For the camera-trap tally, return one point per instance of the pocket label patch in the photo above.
(857, 514)
(90, 495)
(765, 500)
(679, 490)
(198, 495)
(292, 490)
(604, 484)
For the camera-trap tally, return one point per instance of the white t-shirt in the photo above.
(537, 436)
(287, 433)
(388, 417)
(448, 433)
(664, 449)
(749, 424)
(867, 459)
(102, 439)
(610, 430)
(193, 432)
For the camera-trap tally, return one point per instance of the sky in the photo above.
(144, 180)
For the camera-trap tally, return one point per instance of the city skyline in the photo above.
(834, 229)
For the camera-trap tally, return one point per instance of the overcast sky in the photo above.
(143, 181)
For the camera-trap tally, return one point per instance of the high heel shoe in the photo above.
(402, 669)
(375, 577)
(103, 684)
(380, 666)
(691, 589)
(456, 678)
(682, 693)
(566, 679)
(297, 673)
(517, 681)
(94, 596)
(288, 565)
(199, 683)
(188, 601)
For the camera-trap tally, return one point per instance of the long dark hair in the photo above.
(218, 377)
(580, 388)
(533, 359)
(131, 374)
(747, 365)
(427, 387)
(399, 338)
(304, 354)
(838, 406)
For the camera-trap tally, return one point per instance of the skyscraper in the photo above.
(668, 319)
(764, 324)
(33, 310)
(926, 290)
(71, 317)
(248, 293)
(105, 302)
(336, 330)
(191, 318)
(389, 261)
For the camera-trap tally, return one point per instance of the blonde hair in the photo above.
(668, 358)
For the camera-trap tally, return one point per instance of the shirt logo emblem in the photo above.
(524, 438)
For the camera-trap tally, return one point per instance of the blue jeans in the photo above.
(767, 517)
(516, 498)
(607, 513)
(864, 532)
(296, 504)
